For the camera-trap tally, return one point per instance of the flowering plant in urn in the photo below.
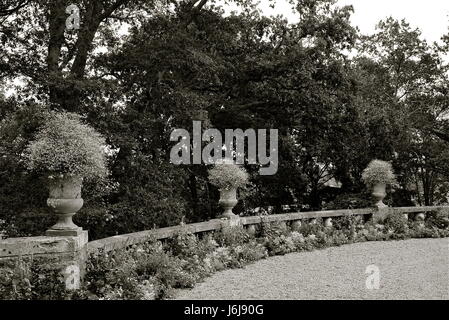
(377, 175)
(227, 177)
(67, 151)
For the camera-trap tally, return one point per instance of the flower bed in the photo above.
(152, 270)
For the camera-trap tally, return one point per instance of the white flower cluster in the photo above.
(64, 146)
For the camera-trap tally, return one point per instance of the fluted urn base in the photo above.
(65, 201)
(228, 200)
(379, 194)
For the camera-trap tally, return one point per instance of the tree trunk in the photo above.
(315, 199)
(426, 179)
(63, 91)
(57, 26)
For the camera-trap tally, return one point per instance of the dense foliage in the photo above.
(137, 69)
(378, 171)
(228, 176)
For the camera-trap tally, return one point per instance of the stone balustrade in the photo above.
(294, 219)
(68, 254)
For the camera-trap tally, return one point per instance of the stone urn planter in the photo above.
(376, 176)
(228, 200)
(228, 177)
(65, 201)
(379, 193)
(67, 151)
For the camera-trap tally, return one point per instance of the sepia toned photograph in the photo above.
(224, 155)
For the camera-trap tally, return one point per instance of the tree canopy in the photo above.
(137, 69)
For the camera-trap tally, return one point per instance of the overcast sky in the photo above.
(431, 16)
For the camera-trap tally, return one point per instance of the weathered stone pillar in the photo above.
(66, 255)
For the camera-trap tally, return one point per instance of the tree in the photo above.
(403, 88)
(246, 71)
(63, 69)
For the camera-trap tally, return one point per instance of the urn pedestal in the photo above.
(379, 195)
(65, 201)
(228, 200)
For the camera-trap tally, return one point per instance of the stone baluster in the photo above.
(283, 225)
(296, 225)
(251, 229)
(328, 222)
(420, 217)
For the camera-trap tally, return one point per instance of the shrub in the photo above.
(437, 219)
(48, 284)
(350, 201)
(35, 283)
(345, 222)
(372, 232)
(249, 252)
(14, 286)
(228, 176)
(418, 230)
(167, 270)
(197, 255)
(65, 146)
(340, 237)
(279, 245)
(222, 258)
(232, 236)
(184, 244)
(378, 171)
(276, 238)
(349, 226)
(112, 275)
(272, 229)
(312, 228)
(396, 223)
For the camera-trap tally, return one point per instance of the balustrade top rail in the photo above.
(126, 240)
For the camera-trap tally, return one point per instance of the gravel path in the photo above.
(411, 269)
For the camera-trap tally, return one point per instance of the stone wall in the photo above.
(66, 255)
